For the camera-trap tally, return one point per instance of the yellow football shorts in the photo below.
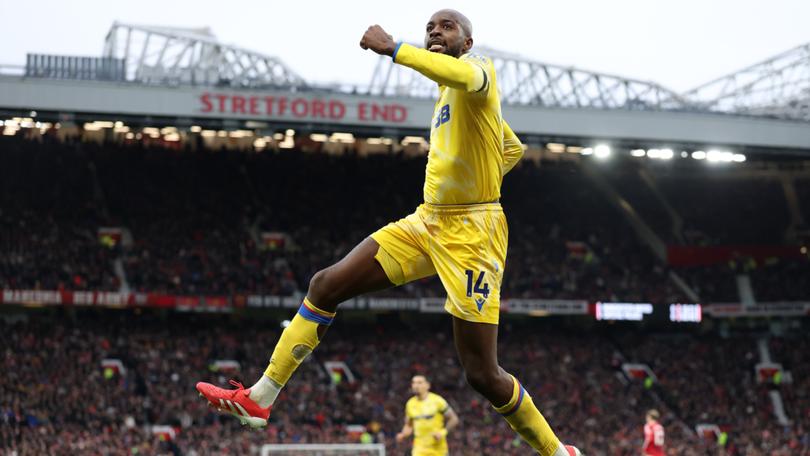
(464, 244)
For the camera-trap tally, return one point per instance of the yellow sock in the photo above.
(522, 415)
(297, 342)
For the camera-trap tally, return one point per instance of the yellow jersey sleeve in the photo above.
(460, 74)
(512, 148)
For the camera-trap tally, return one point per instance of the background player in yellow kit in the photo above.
(428, 417)
(459, 234)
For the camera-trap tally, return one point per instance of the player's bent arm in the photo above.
(441, 68)
(512, 148)
(451, 419)
(407, 430)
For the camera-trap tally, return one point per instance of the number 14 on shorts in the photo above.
(479, 288)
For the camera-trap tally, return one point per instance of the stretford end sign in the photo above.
(301, 108)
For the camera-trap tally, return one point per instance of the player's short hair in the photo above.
(463, 21)
(653, 413)
(421, 375)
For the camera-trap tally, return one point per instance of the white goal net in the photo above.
(338, 449)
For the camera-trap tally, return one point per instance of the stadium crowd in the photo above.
(193, 224)
(196, 220)
(55, 397)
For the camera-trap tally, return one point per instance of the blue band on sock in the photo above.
(517, 405)
(307, 314)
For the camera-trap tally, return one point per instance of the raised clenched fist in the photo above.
(378, 41)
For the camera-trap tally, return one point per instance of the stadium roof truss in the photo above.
(777, 87)
(170, 55)
(526, 82)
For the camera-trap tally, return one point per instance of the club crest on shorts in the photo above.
(480, 303)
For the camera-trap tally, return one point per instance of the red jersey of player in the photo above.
(653, 435)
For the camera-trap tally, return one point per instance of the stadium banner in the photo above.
(326, 108)
(540, 307)
(765, 309)
(536, 307)
(532, 307)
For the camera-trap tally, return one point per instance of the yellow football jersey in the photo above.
(471, 147)
(427, 417)
(465, 161)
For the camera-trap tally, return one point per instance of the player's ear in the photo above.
(468, 44)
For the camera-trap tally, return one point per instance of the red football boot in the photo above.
(236, 402)
(572, 451)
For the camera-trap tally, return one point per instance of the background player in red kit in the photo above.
(653, 435)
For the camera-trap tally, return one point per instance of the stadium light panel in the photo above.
(278, 136)
(738, 158)
(342, 138)
(654, 153)
(586, 151)
(638, 152)
(172, 137)
(713, 155)
(684, 154)
(413, 140)
(195, 129)
(601, 151)
(288, 143)
(32, 113)
(318, 137)
(667, 154)
(569, 149)
(556, 148)
(130, 135)
(208, 133)
(699, 155)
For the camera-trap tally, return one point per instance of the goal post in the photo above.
(323, 449)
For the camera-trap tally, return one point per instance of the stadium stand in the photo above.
(46, 406)
(196, 218)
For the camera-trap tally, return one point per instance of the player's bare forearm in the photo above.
(378, 41)
(406, 432)
(452, 419)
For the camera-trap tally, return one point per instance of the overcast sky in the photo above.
(679, 44)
